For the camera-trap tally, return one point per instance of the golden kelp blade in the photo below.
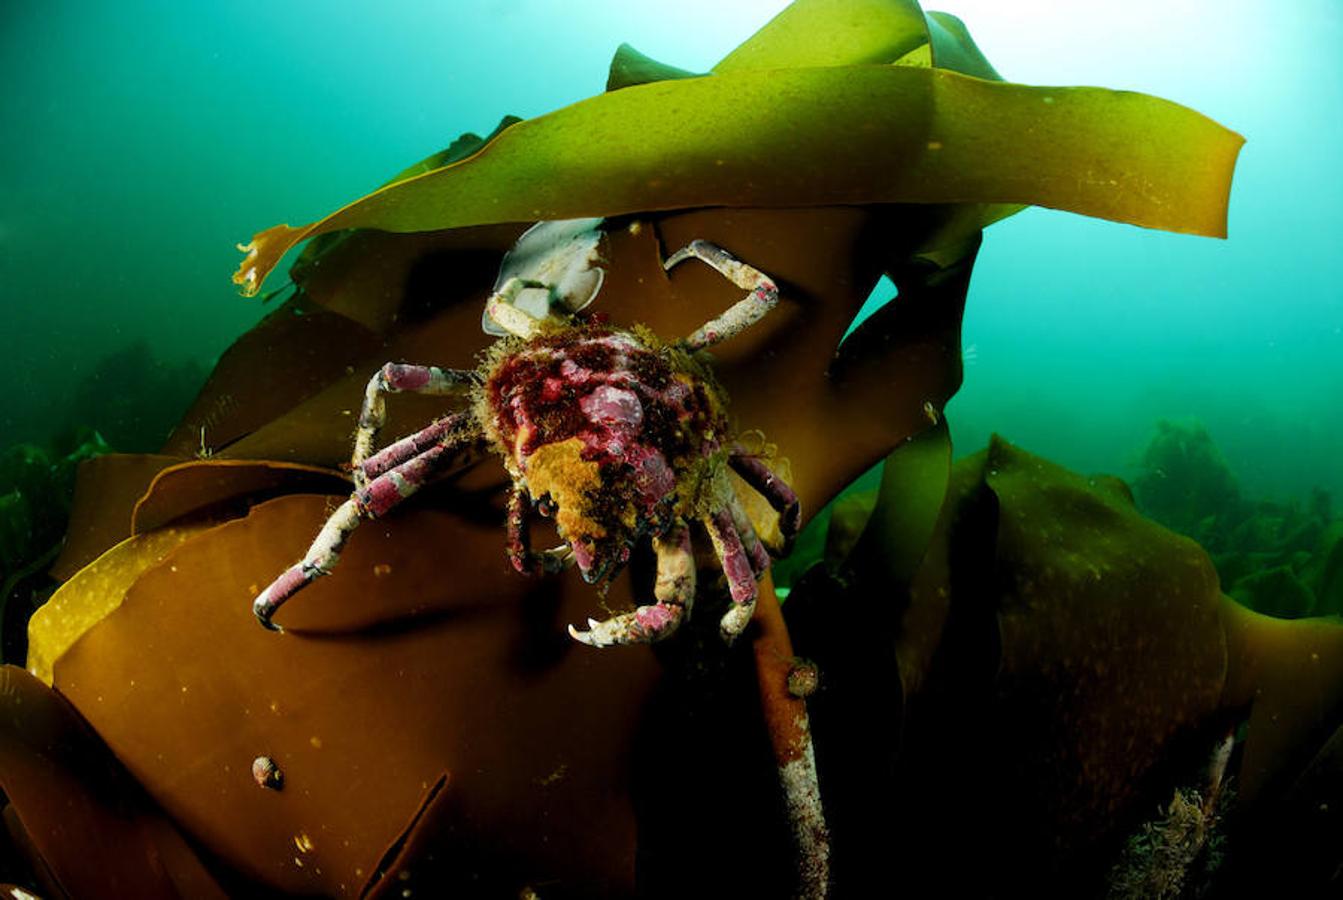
(97, 590)
(805, 33)
(816, 137)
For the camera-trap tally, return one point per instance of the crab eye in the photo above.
(545, 506)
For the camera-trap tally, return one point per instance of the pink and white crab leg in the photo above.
(763, 296)
(736, 563)
(674, 590)
(395, 378)
(453, 430)
(770, 486)
(369, 502)
(520, 553)
(755, 549)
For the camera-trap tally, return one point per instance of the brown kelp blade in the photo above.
(92, 593)
(1084, 581)
(424, 654)
(312, 260)
(817, 136)
(86, 827)
(805, 33)
(223, 488)
(106, 491)
(1289, 672)
(279, 362)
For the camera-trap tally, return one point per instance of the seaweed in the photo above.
(806, 95)
(1280, 558)
(1064, 667)
(35, 498)
(1186, 483)
(132, 398)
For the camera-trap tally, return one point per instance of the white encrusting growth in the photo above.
(802, 793)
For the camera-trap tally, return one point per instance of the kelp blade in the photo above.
(831, 33)
(813, 137)
(630, 67)
(93, 593)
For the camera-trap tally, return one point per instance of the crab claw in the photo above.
(735, 620)
(294, 579)
(642, 626)
(263, 610)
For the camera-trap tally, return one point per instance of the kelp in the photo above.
(1282, 559)
(952, 47)
(180, 501)
(94, 592)
(392, 678)
(862, 133)
(295, 343)
(106, 490)
(745, 139)
(1082, 581)
(1289, 675)
(465, 145)
(219, 489)
(86, 827)
(1063, 663)
(831, 33)
(187, 619)
(630, 67)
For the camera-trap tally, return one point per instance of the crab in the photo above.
(614, 433)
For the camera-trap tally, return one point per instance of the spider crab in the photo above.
(614, 433)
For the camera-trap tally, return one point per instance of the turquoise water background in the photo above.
(143, 140)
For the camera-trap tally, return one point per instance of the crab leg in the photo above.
(448, 429)
(519, 543)
(771, 487)
(395, 378)
(320, 559)
(515, 321)
(369, 502)
(737, 567)
(674, 590)
(763, 296)
(755, 550)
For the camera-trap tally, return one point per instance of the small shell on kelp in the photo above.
(803, 678)
(267, 774)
